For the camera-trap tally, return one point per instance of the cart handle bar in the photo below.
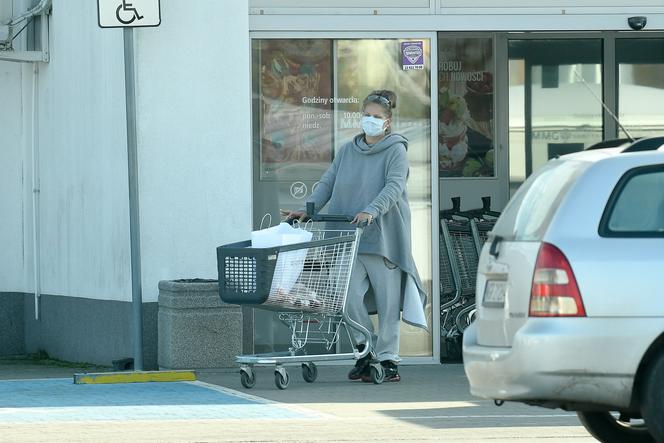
(315, 217)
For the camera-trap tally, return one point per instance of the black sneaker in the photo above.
(391, 372)
(361, 367)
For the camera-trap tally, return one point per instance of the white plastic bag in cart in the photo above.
(289, 264)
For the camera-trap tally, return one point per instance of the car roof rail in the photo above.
(645, 144)
(612, 143)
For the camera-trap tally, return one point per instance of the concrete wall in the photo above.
(14, 194)
(82, 163)
(83, 160)
(194, 138)
(83, 222)
(194, 151)
(12, 328)
(86, 330)
(195, 177)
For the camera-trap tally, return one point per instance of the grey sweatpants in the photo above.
(384, 278)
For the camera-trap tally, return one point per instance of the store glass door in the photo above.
(307, 96)
(555, 107)
(640, 76)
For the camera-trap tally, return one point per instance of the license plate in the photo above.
(494, 294)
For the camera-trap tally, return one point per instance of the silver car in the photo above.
(570, 295)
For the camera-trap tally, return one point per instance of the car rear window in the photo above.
(529, 212)
(636, 208)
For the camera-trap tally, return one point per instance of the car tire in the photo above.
(607, 429)
(652, 399)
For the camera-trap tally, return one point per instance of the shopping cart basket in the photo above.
(462, 236)
(313, 306)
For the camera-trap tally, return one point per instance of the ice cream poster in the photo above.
(465, 107)
(295, 111)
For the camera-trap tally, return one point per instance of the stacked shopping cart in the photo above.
(462, 236)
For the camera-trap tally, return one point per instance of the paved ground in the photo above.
(431, 403)
(59, 400)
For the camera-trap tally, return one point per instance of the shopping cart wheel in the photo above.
(281, 378)
(309, 372)
(377, 373)
(247, 377)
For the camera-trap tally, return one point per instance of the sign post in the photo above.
(128, 14)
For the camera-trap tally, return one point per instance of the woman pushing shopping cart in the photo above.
(346, 273)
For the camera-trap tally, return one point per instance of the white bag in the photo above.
(289, 264)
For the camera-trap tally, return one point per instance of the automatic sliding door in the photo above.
(307, 96)
(641, 85)
(555, 101)
(368, 64)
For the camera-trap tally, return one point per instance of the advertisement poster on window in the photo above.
(465, 107)
(295, 111)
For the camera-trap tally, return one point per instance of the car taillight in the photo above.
(554, 291)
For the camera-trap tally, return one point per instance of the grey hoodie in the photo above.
(372, 179)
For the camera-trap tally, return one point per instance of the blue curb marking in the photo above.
(61, 400)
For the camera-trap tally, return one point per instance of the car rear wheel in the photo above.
(652, 399)
(608, 428)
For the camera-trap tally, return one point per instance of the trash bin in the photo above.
(196, 329)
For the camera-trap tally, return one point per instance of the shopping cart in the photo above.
(462, 236)
(312, 305)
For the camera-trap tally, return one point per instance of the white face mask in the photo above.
(373, 126)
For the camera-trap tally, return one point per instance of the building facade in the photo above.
(240, 108)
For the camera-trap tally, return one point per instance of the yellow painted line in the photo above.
(134, 377)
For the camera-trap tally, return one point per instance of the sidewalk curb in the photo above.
(134, 377)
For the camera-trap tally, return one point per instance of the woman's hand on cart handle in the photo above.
(363, 218)
(294, 215)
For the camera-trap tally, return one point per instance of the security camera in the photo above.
(637, 23)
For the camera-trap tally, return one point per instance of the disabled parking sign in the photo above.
(128, 13)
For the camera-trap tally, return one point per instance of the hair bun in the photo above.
(391, 96)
